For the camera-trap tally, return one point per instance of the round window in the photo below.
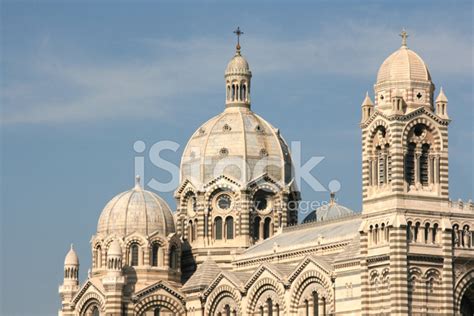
(224, 202)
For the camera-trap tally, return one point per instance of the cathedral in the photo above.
(233, 245)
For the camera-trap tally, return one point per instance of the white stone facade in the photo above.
(233, 245)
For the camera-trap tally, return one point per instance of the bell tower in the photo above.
(405, 137)
(405, 191)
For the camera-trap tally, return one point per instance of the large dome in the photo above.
(136, 210)
(239, 135)
(403, 65)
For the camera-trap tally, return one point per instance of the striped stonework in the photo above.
(365, 288)
(447, 282)
(398, 271)
(399, 129)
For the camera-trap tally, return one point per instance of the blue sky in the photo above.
(82, 81)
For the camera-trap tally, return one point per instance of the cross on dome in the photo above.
(238, 32)
(404, 36)
(137, 182)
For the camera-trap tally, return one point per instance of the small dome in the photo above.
(239, 135)
(136, 210)
(329, 211)
(238, 65)
(71, 258)
(403, 65)
(115, 249)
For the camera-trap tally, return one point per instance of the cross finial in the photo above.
(238, 32)
(404, 36)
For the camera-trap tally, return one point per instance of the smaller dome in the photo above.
(403, 65)
(115, 249)
(329, 211)
(71, 258)
(136, 210)
(238, 65)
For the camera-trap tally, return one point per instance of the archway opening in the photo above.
(467, 301)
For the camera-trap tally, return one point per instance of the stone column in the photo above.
(430, 169)
(370, 176)
(417, 167)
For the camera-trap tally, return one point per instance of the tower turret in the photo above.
(70, 284)
(405, 145)
(367, 108)
(114, 258)
(237, 78)
(114, 281)
(442, 105)
(405, 184)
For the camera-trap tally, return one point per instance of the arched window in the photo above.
(256, 228)
(435, 230)
(417, 232)
(174, 257)
(376, 233)
(134, 255)
(409, 232)
(410, 164)
(381, 165)
(427, 233)
(154, 254)
(95, 311)
(233, 92)
(270, 307)
(315, 304)
(227, 310)
(228, 93)
(306, 307)
(261, 310)
(424, 164)
(190, 231)
(244, 92)
(156, 312)
(229, 225)
(98, 256)
(266, 228)
(277, 309)
(195, 229)
(218, 228)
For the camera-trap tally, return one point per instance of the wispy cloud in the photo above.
(61, 88)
